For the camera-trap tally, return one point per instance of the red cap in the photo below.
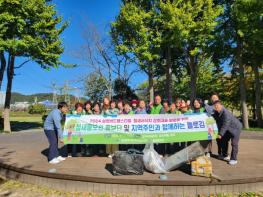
(134, 101)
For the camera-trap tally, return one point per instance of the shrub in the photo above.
(37, 109)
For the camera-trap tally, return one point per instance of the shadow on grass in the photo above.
(19, 126)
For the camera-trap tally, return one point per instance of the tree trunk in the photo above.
(168, 88)
(242, 84)
(151, 83)
(10, 74)
(2, 68)
(193, 77)
(258, 96)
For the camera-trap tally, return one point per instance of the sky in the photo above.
(31, 78)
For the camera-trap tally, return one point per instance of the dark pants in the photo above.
(160, 149)
(53, 144)
(73, 149)
(234, 144)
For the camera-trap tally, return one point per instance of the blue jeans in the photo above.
(53, 144)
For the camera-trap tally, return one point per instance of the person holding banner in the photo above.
(142, 108)
(87, 108)
(53, 131)
(198, 106)
(166, 106)
(178, 103)
(96, 108)
(107, 111)
(120, 107)
(87, 148)
(173, 109)
(157, 108)
(229, 128)
(184, 107)
(127, 109)
(75, 148)
(134, 104)
(113, 109)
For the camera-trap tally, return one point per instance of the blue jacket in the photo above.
(53, 122)
(140, 111)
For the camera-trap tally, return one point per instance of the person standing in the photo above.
(198, 107)
(120, 107)
(87, 108)
(142, 108)
(173, 109)
(166, 106)
(157, 108)
(107, 111)
(87, 148)
(113, 109)
(134, 104)
(53, 131)
(76, 148)
(229, 128)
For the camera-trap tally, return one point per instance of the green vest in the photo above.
(131, 112)
(114, 111)
(74, 112)
(177, 112)
(156, 109)
(89, 112)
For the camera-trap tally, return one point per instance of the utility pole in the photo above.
(66, 89)
(54, 88)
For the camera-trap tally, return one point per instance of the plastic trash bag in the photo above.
(128, 162)
(152, 160)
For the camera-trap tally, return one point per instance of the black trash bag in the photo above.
(128, 162)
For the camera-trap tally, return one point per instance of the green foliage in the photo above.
(123, 91)
(37, 109)
(31, 28)
(135, 32)
(96, 87)
(17, 97)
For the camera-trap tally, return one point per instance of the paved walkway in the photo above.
(25, 150)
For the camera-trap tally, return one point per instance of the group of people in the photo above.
(229, 126)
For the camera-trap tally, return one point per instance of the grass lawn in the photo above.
(24, 121)
(15, 188)
(254, 129)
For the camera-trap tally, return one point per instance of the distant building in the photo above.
(20, 106)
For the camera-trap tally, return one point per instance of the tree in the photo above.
(249, 23)
(189, 25)
(100, 56)
(96, 87)
(123, 91)
(30, 29)
(135, 33)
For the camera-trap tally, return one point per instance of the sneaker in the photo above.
(208, 154)
(54, 161)
(222, 157)
(110, 156)
(61, 158)
(226, 158)
(232, 162)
